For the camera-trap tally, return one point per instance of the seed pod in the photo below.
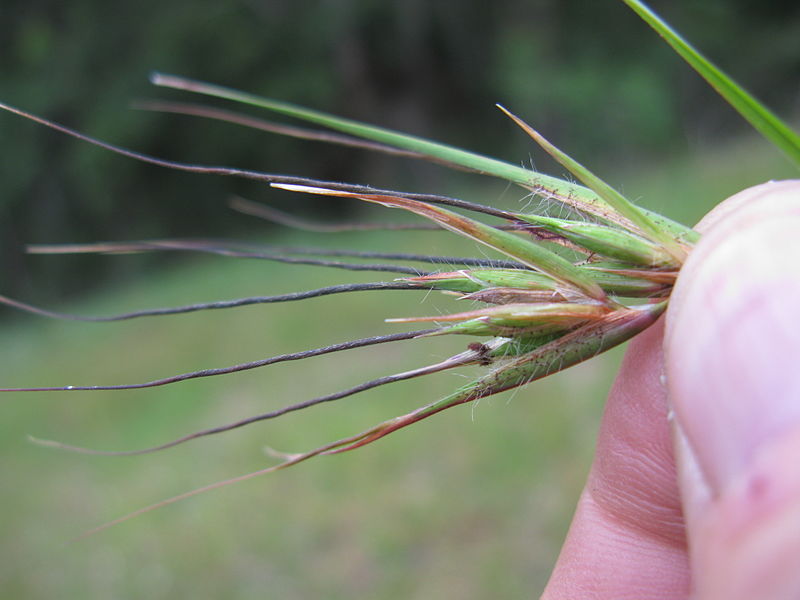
(531, 254)
(610, 242)
(473, 280)
(566, 350)
(632, 283)
(616, 279)
(517, 319)
(505, 295)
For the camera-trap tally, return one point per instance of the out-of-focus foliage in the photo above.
(591, 75)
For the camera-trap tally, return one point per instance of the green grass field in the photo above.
(470, 504)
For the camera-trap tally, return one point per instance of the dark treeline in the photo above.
(590, 75)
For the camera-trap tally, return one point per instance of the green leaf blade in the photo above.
(448, 154)
(758, 115)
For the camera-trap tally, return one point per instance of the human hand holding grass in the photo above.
(695, 483)
(566, 290)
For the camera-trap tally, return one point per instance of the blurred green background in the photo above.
(471, 504)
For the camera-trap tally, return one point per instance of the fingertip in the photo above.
(732, 345)
(747, 546)
(731, 356)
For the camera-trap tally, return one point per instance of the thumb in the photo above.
(732, 353)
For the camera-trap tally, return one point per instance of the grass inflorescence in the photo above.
(567, 284)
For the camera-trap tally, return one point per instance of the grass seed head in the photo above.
(556, 300)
